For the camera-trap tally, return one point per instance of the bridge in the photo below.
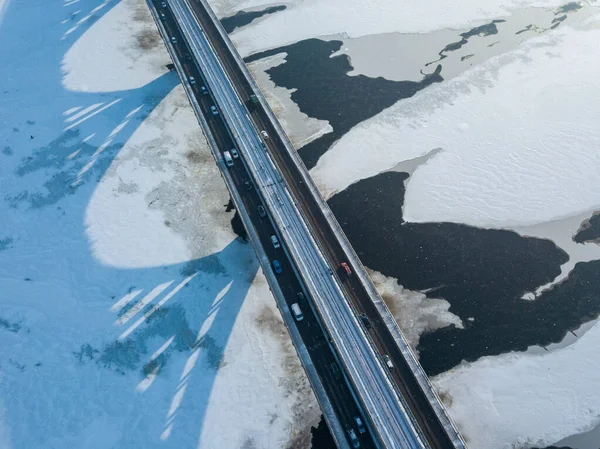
(400, 407)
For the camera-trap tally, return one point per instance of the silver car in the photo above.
(353, 438)
(359, 425)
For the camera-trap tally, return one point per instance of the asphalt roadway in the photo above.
(309, 329)
(402, 375)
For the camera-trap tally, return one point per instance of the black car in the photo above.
(365, 321)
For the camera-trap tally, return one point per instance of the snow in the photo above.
(509, 143)
(3, 7)
(556, 396)
(561, 232)
(107, 59)
(406, 64)
(414, 312)
(354, 18)
(517, 133)
(130, 313)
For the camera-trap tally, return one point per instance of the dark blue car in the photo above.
(277, 267)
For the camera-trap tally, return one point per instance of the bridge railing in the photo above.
(359, 269)
(325, 404)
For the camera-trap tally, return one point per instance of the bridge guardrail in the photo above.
(335, 426)
(388, 319)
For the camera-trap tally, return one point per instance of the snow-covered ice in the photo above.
(509, 143)
(524, 400)
(354, 18)
(518, 138)
(494, 38)
(119, 60)
(130, 314)
(414, 311)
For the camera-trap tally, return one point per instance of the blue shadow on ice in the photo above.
(169, 319)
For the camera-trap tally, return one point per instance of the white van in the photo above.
(388, 361)
(297, 312)
(275, 242)
(228, 158)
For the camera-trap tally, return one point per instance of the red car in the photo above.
(346, 268)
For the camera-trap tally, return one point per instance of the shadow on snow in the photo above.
(169, 321)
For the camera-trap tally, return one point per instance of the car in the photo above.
(173, 40)
(192, 80)
(214, 110)
(247, 185)
(353, 438)
(365, 320)
(264, 134)
(204, 90)
(275, 242)
(163, 17)
(277, 266)
(261, 211)
(346, 268)
(234, 153)
(228, 159)
(297, 312)
(163, 4)
(388, 361)
(359, 425)
(301, 296)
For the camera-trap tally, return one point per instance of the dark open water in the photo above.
(482, 273)
(326, 92)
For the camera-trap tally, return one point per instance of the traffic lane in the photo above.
(401, 374)
(383, 345)
(321, 359)
(268, 142)
(309, 327)
(312, 336)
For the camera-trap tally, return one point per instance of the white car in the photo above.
(275, 242)
(264, 134)
(192, 80)
(214, 110)
(388, 361)
(234, 153)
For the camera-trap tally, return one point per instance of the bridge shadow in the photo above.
(122, 357)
